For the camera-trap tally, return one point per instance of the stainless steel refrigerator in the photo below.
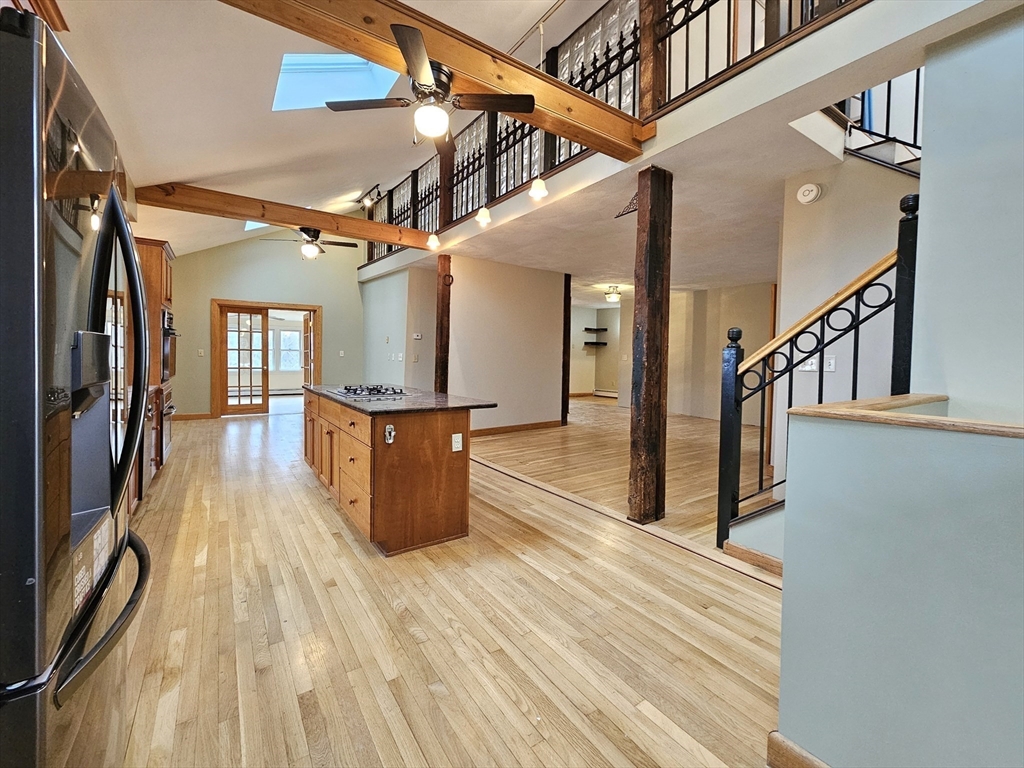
(74, 356)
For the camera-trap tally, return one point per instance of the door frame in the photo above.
(218, 353)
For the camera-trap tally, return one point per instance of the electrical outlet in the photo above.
(811, 365)
(456, 442)
(625, 358)
(415, 358)
(830, 363)
(202, 353)
(417, 336)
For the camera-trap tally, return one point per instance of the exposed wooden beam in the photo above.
(182, 197)
(442, 333)
(362, 27)
(649, 394)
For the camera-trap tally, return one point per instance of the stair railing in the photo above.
(752, 381)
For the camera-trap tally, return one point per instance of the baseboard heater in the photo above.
(605, 393)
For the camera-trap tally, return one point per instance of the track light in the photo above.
(368, 200)
(431, 120)
(432, 242)
(612, 294)
(538, 189)
(310, 250)
(483, 216)
(94, 207)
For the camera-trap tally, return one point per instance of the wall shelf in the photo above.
(595, 330)
(595, 343)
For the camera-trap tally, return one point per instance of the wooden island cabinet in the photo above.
(398, 468)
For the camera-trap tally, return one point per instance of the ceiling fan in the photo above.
(431, 84)
(311, 242)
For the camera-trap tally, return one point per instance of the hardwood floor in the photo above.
(590, 458)
(274, 634)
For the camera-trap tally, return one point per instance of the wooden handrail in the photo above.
(869, 276)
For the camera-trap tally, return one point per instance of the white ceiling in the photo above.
(187, 88)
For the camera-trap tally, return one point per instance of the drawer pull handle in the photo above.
(351, 459)
(352, 424)
(352, 502)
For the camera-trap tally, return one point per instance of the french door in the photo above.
(246, 384)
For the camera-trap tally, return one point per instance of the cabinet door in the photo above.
(167, 282)
(311, 435)
(328, 468)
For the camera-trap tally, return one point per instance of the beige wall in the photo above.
(385, 307)
(506, 340)
(606, 362)
(259, 270)
(421, 318)
(581, 358)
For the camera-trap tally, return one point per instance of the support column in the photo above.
(649, 393)
(653, 67)
(566, 342)
(443, 327)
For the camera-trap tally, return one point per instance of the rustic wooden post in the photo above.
(653, 62)
(731, 434)
(903, 312)
(566, 341)
(649, 394)
(443, 327)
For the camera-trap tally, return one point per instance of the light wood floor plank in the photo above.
(275, 635)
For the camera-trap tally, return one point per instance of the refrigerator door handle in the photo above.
(86, 665)
(115, 223)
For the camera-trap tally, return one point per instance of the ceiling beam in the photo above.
(209, 202)
(363, 27)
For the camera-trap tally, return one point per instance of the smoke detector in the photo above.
(808, 193)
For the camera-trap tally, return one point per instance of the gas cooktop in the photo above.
(369, 392)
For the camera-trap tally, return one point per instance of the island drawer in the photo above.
(356, 424)
(330, 411)
(354, 459)
(311, 402)
(356, 503)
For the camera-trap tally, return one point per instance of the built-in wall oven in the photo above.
(170, 337)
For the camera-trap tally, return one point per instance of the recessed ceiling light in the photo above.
(308, 80)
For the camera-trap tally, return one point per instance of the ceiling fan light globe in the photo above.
(431, 120)
(309, 250)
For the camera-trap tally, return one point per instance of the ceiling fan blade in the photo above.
(351, 106)
(339, 243)
(410, 42)
(445, 144)
(494, 102)
(278, 240)
(319, 248)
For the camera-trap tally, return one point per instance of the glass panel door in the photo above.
(245, 346)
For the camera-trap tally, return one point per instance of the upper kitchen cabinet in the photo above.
(156, 257)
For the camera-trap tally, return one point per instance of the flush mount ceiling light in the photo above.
(612, 294)
(432, 242)
(310, 250)
(483, 216)
(538, 189)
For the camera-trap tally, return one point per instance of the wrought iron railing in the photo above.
(758, 382)
(886, 121)
(705, 39)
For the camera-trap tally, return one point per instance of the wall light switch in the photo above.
(456, 442)
(399, 357)
(417, 336)
(341, 353)
(625, 358)
(810, 365)
(202, 353)
(415, 358)
(387, 339)
(830, 363)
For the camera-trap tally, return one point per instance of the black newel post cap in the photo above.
(909, 204)
(735, 334)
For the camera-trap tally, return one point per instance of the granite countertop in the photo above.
(416, 400)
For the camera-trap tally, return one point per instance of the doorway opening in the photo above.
(262, 354)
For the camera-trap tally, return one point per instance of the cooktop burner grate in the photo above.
(368, 392)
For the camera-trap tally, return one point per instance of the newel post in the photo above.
(731, 435)
(903, 317)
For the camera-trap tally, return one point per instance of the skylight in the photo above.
(254, 225)
(307, 80)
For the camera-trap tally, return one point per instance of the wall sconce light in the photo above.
(483, 216)
(432, 242)
(612, 294)
(538, 189)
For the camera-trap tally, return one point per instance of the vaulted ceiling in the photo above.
(187, 87)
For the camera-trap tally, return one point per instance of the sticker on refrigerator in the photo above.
(101, 543)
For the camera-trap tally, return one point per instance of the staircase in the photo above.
(764, 381)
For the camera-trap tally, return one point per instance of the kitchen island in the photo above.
(397, 464)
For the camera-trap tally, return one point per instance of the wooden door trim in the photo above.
(218, 370)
